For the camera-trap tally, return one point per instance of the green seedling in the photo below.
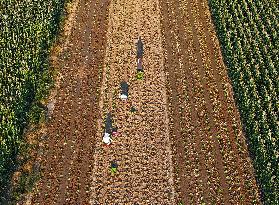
(139, 75)
(113, 170)
(114, 105)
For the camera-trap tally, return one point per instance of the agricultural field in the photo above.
(28, 29)
(248, 32)
(203, 128)
(216, 168)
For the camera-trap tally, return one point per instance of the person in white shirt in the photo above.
(108, 130)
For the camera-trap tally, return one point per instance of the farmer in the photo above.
(113, 167)
(124, 90)
(139, 75)
(108, 129)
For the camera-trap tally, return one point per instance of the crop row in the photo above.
(28, 29)
(248, 40)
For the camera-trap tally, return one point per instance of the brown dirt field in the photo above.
(216, 168)
(71, 132)
(183, 144)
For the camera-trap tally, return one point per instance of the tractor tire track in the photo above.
(97, 51)
(195, 117)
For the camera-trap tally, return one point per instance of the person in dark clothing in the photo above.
(139, 59)
(113, 167)
(108, 130)
(124, 90)
(108, 123)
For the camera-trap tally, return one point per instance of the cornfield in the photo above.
(28, 29)
(248, 32)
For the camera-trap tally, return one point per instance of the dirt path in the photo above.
(143, 148)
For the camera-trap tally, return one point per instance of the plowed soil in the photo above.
(71, 137)
(183, 144)
(211, 152)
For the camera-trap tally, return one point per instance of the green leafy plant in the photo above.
(140, 75)
(28, 31)
(248, 41)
